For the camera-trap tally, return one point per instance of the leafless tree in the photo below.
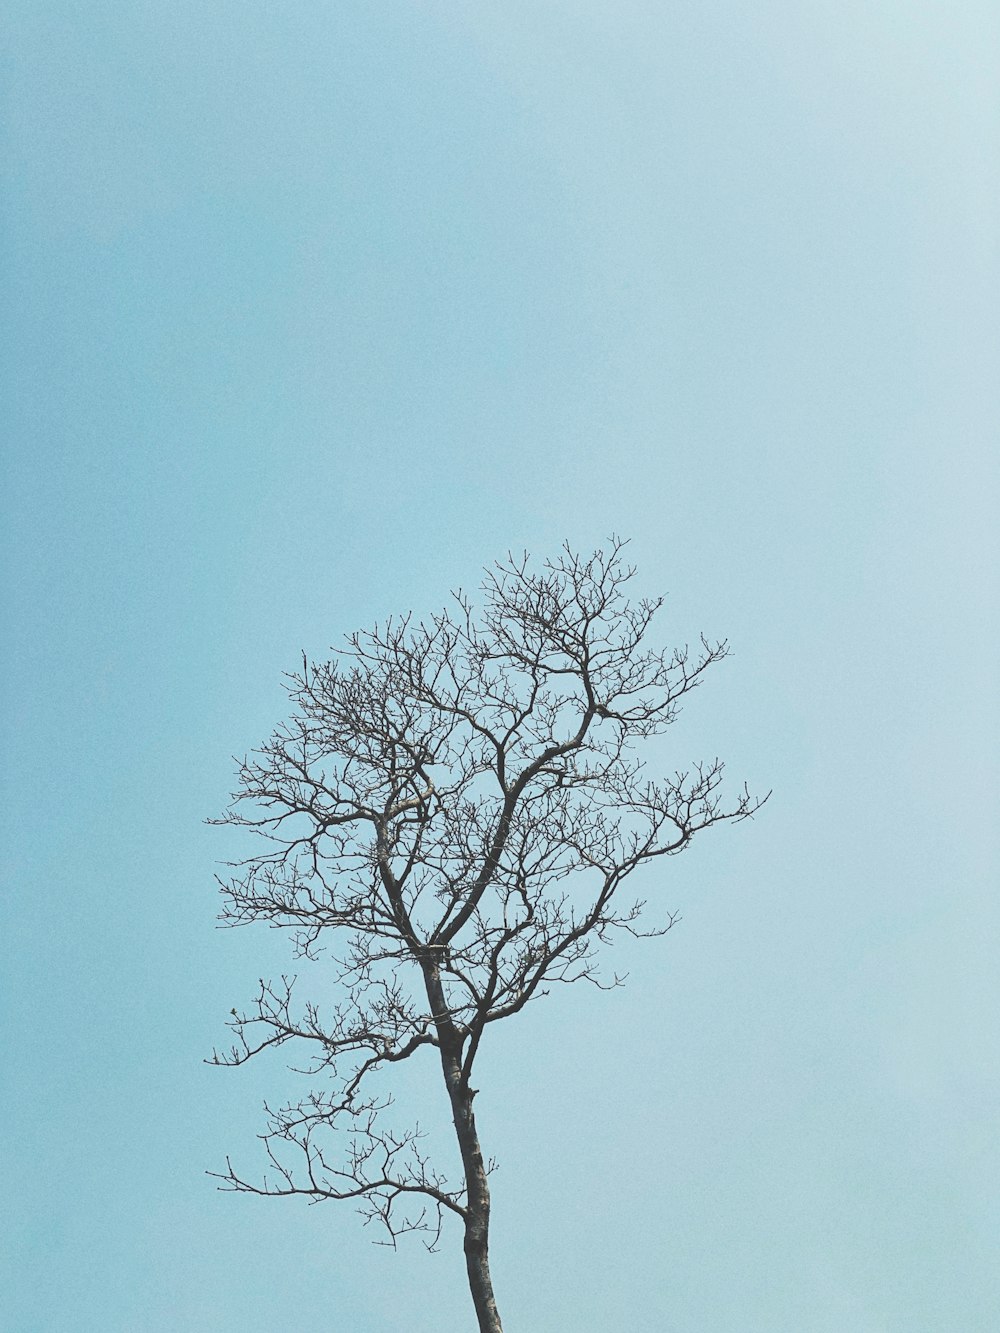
(454, 807)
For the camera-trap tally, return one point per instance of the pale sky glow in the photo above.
(310, 311)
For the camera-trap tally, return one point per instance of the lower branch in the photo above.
(385, 1173)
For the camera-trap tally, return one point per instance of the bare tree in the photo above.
(455, 805)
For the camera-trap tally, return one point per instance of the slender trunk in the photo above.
(477, 1208)
(477, 1220)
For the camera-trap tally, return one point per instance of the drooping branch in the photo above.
(386, 1174)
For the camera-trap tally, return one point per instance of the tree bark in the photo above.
(477, 1221)
(477, 1207)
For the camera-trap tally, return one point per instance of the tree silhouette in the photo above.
(453, 809)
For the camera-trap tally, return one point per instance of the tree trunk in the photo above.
(477, 1221)
(477, 1209)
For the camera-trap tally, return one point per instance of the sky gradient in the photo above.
(310, 311)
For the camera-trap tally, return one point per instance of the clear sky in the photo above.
(310, 310)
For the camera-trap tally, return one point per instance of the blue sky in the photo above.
(312, 310)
